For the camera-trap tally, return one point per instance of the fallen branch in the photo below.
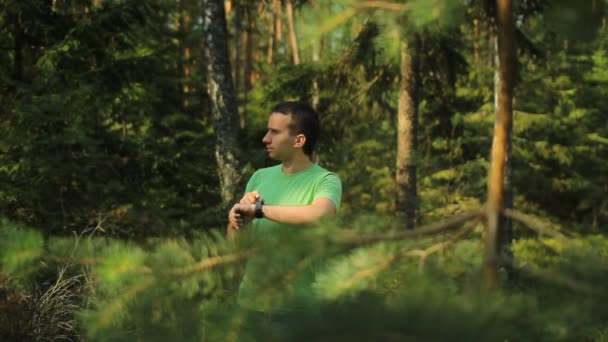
(350, 12)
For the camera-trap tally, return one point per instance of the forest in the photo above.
(467, 135)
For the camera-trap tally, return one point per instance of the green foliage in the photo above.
(106, 152)
(19, 248)
(96, 131)
(315, 286)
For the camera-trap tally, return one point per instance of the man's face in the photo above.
(280, 143)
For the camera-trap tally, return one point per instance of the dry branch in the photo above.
(557, 279)
(423, 254)
(430, 229)
(532, 223)
(210, 263)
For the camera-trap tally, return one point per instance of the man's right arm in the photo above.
(236, 219)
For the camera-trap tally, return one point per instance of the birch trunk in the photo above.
(407, 125)
(222, 98)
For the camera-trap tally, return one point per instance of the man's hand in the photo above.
(241, 214)
(251, 197)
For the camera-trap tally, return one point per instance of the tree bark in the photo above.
(293, 39)
(504, 115)
(278, 22)
(271, 35)
(506, 234)
(407, 126)
(238, 55)
(222, 98)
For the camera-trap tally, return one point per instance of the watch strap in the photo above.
(258, 208)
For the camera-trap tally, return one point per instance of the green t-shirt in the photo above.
(279, 188)
(300, 188)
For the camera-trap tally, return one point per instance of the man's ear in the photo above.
(300, 140)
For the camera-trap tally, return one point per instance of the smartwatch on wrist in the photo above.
(258, 208)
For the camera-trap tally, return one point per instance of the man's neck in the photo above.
(298, 163)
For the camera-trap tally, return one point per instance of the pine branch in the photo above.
(367, 273)
(116, 306)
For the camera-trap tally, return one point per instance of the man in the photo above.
(295, 193)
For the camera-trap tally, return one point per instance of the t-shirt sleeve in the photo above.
(330, 187)
(251, 184)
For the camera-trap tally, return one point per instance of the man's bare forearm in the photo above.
(296, 215)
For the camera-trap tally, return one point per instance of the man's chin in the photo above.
(273, 156)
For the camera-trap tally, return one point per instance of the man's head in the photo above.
(292, 127)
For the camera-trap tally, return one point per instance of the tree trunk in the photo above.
(271, 35)
(476, 40)
(248, 68)
(293, 39)
(504, 115)
(238, 54)
(222, 98)
(278, 22)
(407, 126)
(506, 235)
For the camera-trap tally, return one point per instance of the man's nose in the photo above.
(266, 139)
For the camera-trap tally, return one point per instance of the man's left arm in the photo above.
(321, 208)
(324, 206)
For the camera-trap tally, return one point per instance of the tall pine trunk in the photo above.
(293, 39)
(506, 233)
(504, 119)
(222, 98)
(407, 126)
(476, 40)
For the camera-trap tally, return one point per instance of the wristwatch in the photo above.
(258, 208)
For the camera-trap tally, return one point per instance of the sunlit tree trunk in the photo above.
(222, 98)
(293, 39)
(278, 22)
(506, 235)
(504, 115)
(407, 125)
